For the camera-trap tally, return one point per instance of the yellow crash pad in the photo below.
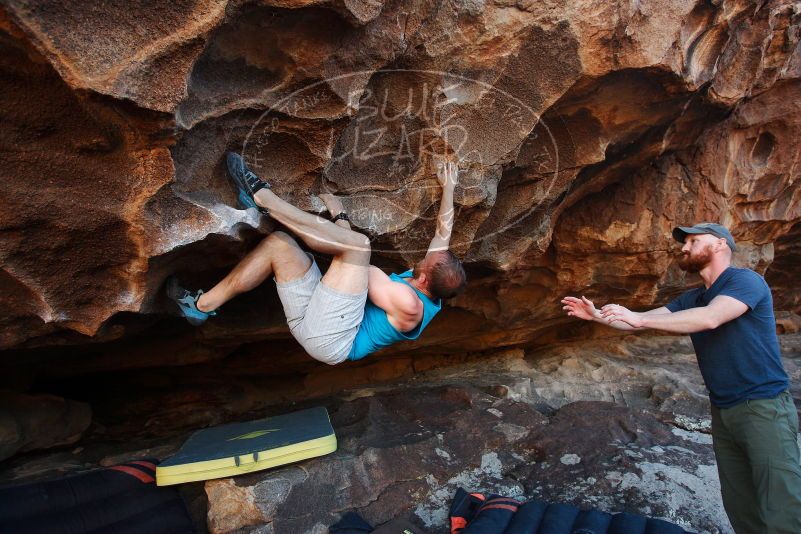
(239, 448)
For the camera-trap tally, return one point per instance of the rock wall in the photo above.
(585, 130)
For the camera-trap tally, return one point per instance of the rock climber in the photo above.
(354, 309)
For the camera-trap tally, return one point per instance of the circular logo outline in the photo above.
(279, 107)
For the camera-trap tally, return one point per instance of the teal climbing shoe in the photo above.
(187, 302)
(245, 181)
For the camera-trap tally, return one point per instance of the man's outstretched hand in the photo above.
(582, 308)
(616, 312)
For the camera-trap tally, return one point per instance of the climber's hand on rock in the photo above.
(447, 174)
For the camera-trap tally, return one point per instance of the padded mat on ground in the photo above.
(238, 448)
(122, 500)
(474, 513)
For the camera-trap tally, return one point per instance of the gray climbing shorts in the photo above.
(323, 320)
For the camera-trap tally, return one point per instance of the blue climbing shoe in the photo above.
(245, 201)
(245, 181)
(187, 302)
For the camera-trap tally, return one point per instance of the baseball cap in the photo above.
(717, 230)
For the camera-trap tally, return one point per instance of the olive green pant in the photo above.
(758, 463)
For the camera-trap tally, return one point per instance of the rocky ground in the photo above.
(617, 425)
(405, 452)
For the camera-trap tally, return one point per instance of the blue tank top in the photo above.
(376, 332)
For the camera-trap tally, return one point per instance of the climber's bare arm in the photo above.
(447, 175)
(404, 309)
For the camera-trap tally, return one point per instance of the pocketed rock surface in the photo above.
(585, 131)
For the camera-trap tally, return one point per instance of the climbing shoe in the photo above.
(245, 181)
(187, 302)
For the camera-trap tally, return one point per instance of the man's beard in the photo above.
(694, 264)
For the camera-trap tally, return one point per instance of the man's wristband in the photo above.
(341, 216)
